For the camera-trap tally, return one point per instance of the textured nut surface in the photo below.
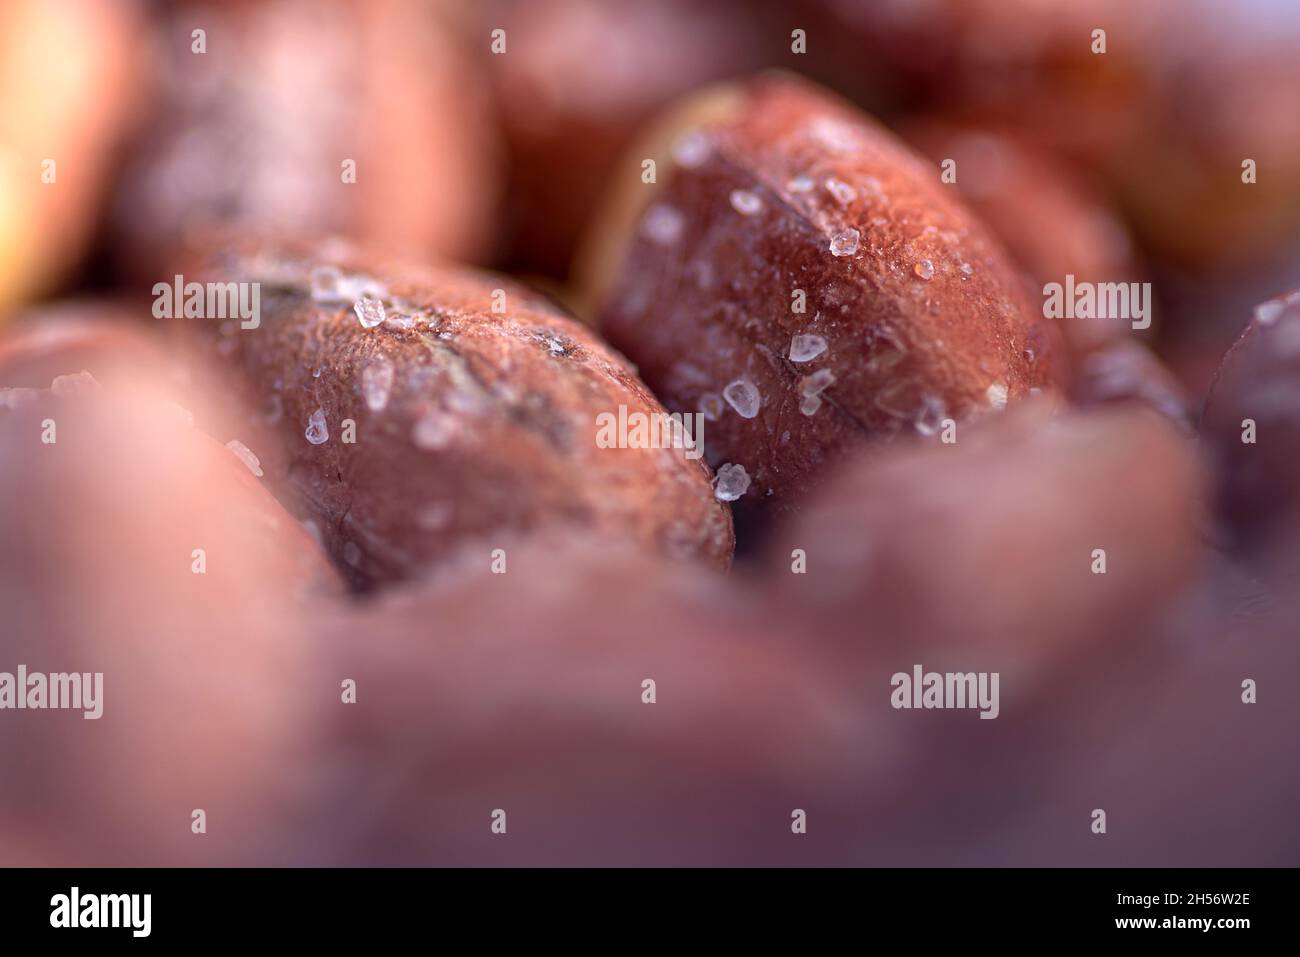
(469, 421)
(1053, 220)
(772, 190)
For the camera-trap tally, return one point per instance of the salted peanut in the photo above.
(348, 117)
(1054, 221)
(418, 407)
(149, 563)
(1252, 424)
(1125, 371)
(804, 281)
(590, 705)
(574, 81)
(68, 83)
(1016, 544)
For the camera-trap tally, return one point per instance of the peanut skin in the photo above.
(774, 197)
(475, 407)
(1054, 220)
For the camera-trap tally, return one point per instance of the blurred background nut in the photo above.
(1252, 425)
(619, 709)
(113, 343)
(68, 83)
(577, 80)
(1126, 371)
(989, 546)
(105, 338)
(474, 407)
(1184, 92)
(365, 119)
(136, 546)
(806, 282)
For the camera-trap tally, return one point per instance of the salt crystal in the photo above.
(376, 383)
(691, 149)
(930, 416)
(805, 348)
(663, 225)
(711, 406)
(742, 396)
(732, 482)
(370, 311)
(834, 135)
(325, 284)
(842, 191)
(845, 243)
(745, 202)
(435, 515)
(817, 383)
(312, 529)
(80, 383)
(1266, 314)
(924, 269)
(318, 432)
(801, 184)
(12, 398)
(433, 431)
(809, 404)
(997, 395)
(356, 286)
(246, 456)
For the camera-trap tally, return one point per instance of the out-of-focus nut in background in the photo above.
(69, 80)
(137, 546)
(365, 119)
(992, 543)
(1251, 424)
(577, 81)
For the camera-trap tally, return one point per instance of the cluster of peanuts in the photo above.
(365, 588)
